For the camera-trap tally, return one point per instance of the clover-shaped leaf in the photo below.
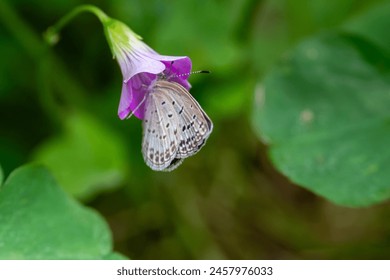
(38, 220)
(324, 111)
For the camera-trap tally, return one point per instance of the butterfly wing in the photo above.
(159, 143)
(193, 125)
(175, 126)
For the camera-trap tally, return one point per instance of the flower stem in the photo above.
(51, 35)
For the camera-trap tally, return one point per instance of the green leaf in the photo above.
(325, 114)
(86, 159)
(38, 220)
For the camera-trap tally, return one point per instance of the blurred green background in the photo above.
(59, 106)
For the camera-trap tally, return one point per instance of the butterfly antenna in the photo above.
(136, 108)
(193, 72)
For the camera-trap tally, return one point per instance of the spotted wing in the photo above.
(193, 124)
(159, 143)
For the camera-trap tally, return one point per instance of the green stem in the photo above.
(51, 35)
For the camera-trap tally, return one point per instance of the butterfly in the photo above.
(175, 126)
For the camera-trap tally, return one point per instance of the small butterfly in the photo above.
(175, 126)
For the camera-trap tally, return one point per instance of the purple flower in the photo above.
(141, 67)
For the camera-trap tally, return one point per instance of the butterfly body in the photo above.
(175, 126)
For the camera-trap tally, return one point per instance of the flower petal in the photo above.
(178, 71)
(134, 94)
(137, 60)
(125, 101)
